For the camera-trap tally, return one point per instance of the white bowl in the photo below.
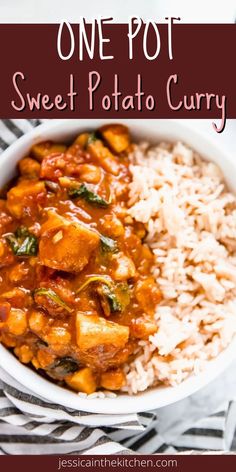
(154, 131)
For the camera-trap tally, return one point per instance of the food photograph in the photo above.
(117, 283)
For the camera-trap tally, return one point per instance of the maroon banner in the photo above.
(178, 463)
(199, 82)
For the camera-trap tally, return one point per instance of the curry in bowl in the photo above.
(76, 291)
(117, 263)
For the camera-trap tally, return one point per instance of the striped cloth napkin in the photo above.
(30, 424)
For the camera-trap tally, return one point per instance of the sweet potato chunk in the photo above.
(117, 136)
(47, 147)
(24, 197)
(66, 245)
(104, 157)
(89, 173)
(82, 381)
(82, 140)
(142, 328)
(112, 379)
(93, 331)
(124, 267)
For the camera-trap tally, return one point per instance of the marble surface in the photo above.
(45, 11)
(177, 418)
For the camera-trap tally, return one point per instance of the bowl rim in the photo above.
(154, 397)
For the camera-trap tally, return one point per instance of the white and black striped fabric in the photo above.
(32, 425)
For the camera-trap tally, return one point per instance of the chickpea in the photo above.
(17, 322)
(37, 322)
(24, 353)
(29, 167)
(8, 340)
(17, 297)
(58, 335)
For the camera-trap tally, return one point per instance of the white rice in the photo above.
(190, 219)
